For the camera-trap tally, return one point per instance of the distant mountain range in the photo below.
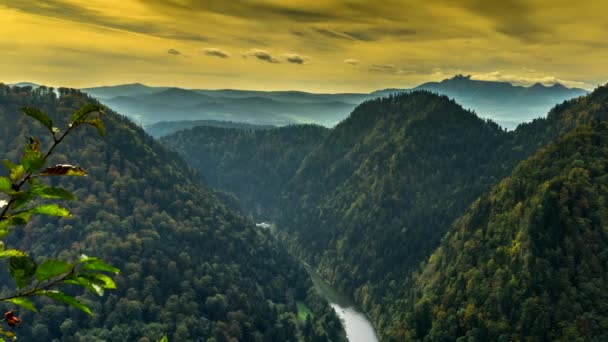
(504, 103)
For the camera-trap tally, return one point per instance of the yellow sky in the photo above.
(312, 45)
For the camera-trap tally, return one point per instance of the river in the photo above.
(358, 327)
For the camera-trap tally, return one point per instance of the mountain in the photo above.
(163, 128)
(26, 84)
(376, 196)
(253, 165)
(134, 89)
(192, 267)
(528, 260)
(182, 104)
(505, 103)
(502, 102)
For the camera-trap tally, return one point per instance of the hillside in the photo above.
(375, 197)
(254, 165)
(527, 260)
(191, 267)
(163, 128)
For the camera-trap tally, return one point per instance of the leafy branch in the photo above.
(23, 186)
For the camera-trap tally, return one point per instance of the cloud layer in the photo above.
(398, 42)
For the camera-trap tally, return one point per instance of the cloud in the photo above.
(213, 52)
(295, 58)
(173, 52)
(351, 61)
(261, 55)
(385, 69)
(61, 9)
(497, 76)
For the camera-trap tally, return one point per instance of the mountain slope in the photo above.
(254, 165)
(375, 197)
(191, 267)
(528, 260)
(163, 128)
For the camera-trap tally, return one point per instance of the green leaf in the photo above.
(100, 279)
(62, 297)
(22, 270)
(24, 303)
(40, 116)
(52, 268)
(32, 158)
(5, 185)
(7, 223)
(63, 170)
(12, 253)
(17, 171)
(50, 209)
(11, 335)
(94, 264)
(9, 165)
(86, 283)
(98, 124)
(20, 199)
(164, 339)
(83, 113)
(51, 192)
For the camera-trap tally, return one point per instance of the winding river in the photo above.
(358, 327)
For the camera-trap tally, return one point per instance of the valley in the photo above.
(358, 200)
(303, 171)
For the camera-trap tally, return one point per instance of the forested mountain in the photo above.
(192, 268)
(254, 165)
(502, 102)
(374, 198)
(528, 260)
(373, 201)
(163, 128)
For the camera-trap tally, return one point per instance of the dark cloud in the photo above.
(366, 35)
(245, 9)
(61, 9)
(295, 58)
(261, 55)
(510, 17)
(332, 34)
(173, 52)
(213, 52)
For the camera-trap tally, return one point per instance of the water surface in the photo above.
(358, 327)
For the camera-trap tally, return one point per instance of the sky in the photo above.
(310, 45)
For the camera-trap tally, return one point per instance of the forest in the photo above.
(373, 200)
(191, 267)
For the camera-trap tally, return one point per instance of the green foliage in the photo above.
(374, 198)
(528, 260)
(254, 165)
(23, 189)
(192, 268)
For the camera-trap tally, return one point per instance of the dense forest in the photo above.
(375, 197)
(192, 268)
(528, 260)
(254, 165)
(162, 128)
